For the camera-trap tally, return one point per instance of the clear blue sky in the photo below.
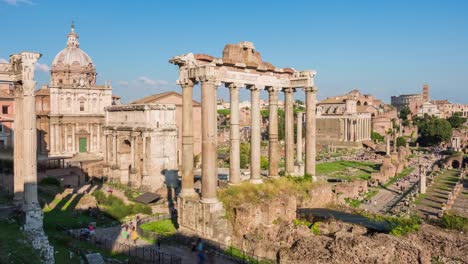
(380, 47)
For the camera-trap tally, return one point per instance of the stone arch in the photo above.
(365, 103)
(456, 164)
(358, 103)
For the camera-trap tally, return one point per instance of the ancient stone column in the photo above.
(65, 138)
(73, 138)
(299, 138)
(209, 140)
(106, 148)
(346, 129)
(255, 135)
(132, 151)
(18, 180)
(289, 129)
(187, 140)
(144, 170)
(310, 138)
(33, 212)
(387, 148)
(422, 180)
(273, 132)
(114, 148)
(234, 159)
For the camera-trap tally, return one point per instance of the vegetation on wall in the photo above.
(377, 137)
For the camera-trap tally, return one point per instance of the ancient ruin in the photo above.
(241, 66)
(20, 73)
(140, 145)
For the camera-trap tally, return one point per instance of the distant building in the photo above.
(76, 104)
(7, 104)
(411, 101)
(429, 109)
(341, 122)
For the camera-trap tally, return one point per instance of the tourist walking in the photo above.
(125, 233)
(134, 235)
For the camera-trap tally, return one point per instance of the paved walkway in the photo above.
(387, 197)
(185, 253)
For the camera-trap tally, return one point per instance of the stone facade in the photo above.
(174, 98)
(411, 101)
(340, 124)
(141, 145)
(76, 103)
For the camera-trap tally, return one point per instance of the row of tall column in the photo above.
(356, 129)
(209, 135)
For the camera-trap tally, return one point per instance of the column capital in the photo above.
(187, 83)
(312, 89)
(235, 86)
(272, 89)
(252, 87)
(288, 90)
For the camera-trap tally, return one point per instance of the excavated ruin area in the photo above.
(341, 242)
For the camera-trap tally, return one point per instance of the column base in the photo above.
(256, 181)
(234, 184)
(32, 217)
(188, 193)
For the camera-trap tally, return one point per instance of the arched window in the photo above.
(82, 106)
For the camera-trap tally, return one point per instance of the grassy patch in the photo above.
(455, 222)
(14, 246)
(240, 255)
(162, 227)
(353, 202)
(347, 169)
(397, 226)
(117, 209)
(130, 193)
(248, 193)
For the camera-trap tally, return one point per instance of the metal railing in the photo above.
(141, 253)
(189, 242)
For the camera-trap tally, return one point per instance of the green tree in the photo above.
(377, 137)
(224, 112)
(456, 120)
(263, 163)
(404, 112)
(433, 130)
(401, 142)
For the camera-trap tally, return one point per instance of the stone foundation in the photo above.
(204, 220)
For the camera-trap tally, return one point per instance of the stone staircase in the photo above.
(460, 207)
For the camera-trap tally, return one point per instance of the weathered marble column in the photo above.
(132, 152)
(273, 132)
(106, 149)
(310, 138)
(144, 169)
(299, 138)
(114, 149)
(33, 212)
(289, 129)
(422, 179)
(234, 159)
(209, 140)
(346, 129)
(65, 138)
(352, 126)
(187, 140)
(73, 138)
(18, 179)
(387, 147)
(255, 135)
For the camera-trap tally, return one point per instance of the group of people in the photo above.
(129, 232)
(88, 233)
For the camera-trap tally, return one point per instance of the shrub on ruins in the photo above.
(455, 222)
(400, 226)
(244, 155)
(377, 137)
(433, 130)
(264, 163)
(456, 120)
(50, 181)
(224, 112)
(401, 142)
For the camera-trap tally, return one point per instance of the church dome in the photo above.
(72, 54)
(72, 66)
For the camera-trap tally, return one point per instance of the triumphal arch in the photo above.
(241, 66)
